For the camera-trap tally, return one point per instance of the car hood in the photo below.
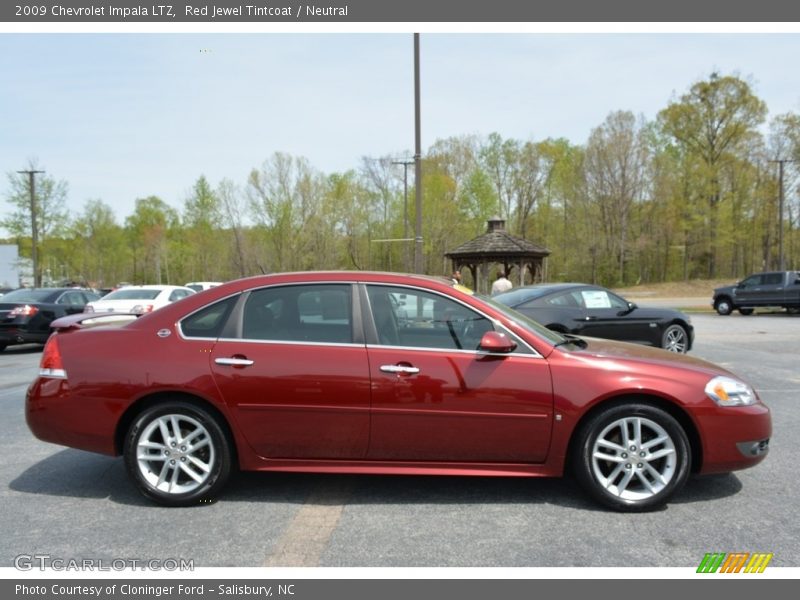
(725, 288)
(602, 349)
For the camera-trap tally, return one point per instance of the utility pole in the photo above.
(781, 162)
(405, 164)
(417, 162)
(37, 278)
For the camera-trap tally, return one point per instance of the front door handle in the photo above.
(234, 362)
(400, 369)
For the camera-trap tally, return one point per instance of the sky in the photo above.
(121, 116)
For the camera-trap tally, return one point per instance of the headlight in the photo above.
(730, 392)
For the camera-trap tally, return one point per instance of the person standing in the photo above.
(456, 277)
(501, 284)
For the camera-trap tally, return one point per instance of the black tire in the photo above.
(3, 347)
(675, 339)
(207, 453)
(627, 481)
(723, 306)
(746, 311)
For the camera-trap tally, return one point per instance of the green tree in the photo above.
(97, 245)
(712, 123)
(617, 158)
(35, 216)
(149, 229)
(202, 218)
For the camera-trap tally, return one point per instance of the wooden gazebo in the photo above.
(497, 246)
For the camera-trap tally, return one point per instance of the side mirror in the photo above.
(494, 341)
(631, 307)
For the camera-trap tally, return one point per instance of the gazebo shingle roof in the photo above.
(497, 243)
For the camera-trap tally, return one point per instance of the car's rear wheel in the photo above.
(632, 457)
(746, 311)
(3, 347)
(723, 306)
(177, 454)
(675, 339)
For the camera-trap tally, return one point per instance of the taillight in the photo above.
(51, 364)
(140, 309)
(23, 311)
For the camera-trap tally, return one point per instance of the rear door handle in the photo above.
(234, 362)
(400, 369)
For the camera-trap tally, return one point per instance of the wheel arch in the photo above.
(677, 412)
(156, 398)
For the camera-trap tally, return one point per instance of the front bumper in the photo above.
(734, 438)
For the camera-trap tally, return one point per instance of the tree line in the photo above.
(693, 193)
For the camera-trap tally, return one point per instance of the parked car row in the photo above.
(26, 314)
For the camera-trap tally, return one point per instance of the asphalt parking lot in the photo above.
(72, 504)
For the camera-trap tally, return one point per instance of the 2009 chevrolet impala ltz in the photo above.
(354, 372)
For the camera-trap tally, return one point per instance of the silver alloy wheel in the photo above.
(724, 307)
(175, 454)
(634, 458)
(675, 339)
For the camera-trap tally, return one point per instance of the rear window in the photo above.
(129, 294)
(208, 322)
(30, 296)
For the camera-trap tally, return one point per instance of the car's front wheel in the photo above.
(723, 306)
(177, 454)
(675, 339)
(632, 457)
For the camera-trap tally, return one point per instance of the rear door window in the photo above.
(300, 313)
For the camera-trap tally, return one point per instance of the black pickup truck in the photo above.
(775, 288)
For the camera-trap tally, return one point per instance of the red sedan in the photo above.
(353, 372)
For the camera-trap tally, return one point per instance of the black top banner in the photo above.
(435, 11)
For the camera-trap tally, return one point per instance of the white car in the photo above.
(139, 299)
(199, 286)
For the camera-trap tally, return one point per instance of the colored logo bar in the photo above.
(734, 562)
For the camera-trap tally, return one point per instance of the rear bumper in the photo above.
(55, 414)
(16, 334)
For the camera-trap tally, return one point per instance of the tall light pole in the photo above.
(417, 162)
(37, 279)
(405, 164)
(781, 162)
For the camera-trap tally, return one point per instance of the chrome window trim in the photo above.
(492, 320)
(294, 343)
(535, 355)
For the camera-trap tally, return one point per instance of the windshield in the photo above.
(30, 296)
(132, 294)
(525, 322)
(520, 295)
